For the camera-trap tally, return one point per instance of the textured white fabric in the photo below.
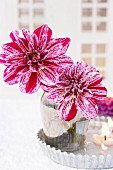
(20, 121)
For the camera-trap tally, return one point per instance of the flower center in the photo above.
(34, 60)
(76, 88)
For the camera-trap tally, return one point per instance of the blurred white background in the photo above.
(87, 22)
(89, 25)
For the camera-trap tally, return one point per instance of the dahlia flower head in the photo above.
(37, 59)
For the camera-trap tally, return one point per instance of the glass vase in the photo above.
(64, 135)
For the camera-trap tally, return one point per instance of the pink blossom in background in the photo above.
(34, 58)
(78, 87)
(105, 107)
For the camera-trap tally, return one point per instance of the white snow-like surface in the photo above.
(20, 121)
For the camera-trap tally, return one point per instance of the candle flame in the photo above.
(110, 122)
(103, 146)
(105, 136)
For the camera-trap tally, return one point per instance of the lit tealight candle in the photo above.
(105, 133)
(104, 139)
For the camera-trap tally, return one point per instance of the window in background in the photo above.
(38, 1)
(94, 24)
(100, 48)
(86, 26)
(23, 12)
(101, 26)
(38, 12)
(23, 1)
(87, 12)
(102, 1)
(100, 61)
(31, 14)
(86, 48)
(101, 12)
(86, 1)
(87, 60)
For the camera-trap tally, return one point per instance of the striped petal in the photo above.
(30, 38)
(56, 94)
(99, 92)
(95, 79)
(2, 58)
(11, 48)
(67, 110)
(12, 74)
(64, 60)
(44, 35)
(14, 35)
(21, 42)
(29, 83)
(58, 46)
(47, 75)
(87, 107)
(47, 87)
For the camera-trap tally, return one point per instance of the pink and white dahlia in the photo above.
(33, 58)
(78, 87)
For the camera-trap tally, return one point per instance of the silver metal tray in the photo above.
(90, 157)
